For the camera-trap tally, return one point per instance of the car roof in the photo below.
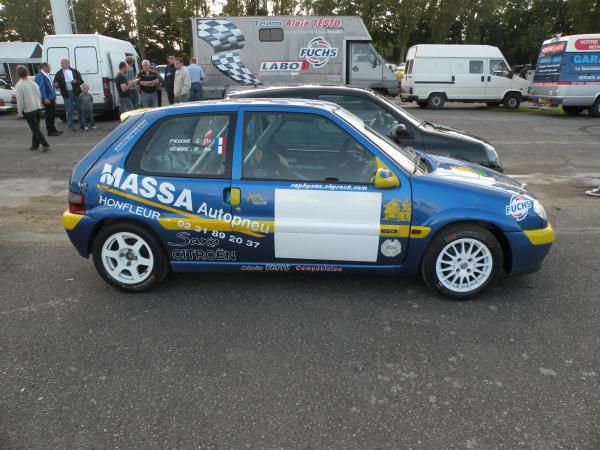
(302, 87)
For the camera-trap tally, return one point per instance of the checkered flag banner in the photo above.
(226, 39)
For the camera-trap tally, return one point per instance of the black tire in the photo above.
(422, 104)
(595, 109)
(573, 110)
(436, 101)
(493, 104)
(152, 277)
(512, 101)
(450, 235)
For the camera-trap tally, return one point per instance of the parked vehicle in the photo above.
(436, 74)
(292, 185)
(97, 57)
(8, 99)
(270, 51)
(568, 74)
(390, 120)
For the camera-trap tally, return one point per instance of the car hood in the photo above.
(452, 132)
(456, 170)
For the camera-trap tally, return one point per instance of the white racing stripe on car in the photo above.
(324, 225)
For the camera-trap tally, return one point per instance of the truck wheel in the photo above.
(493, 104)
(512, 101)
(462, 261)
(436, 101)
(572, 110)
(422, 104)
(595, 109)
(129, 257)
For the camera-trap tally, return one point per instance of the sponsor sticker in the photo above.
(397, 211)
(281, 66)
(391, 248)
(588, 44)
(318, 52)
(518, 207)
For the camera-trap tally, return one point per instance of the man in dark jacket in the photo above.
(44, 81)
(170, 79)
(69, 81)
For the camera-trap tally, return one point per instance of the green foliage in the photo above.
(159, 26)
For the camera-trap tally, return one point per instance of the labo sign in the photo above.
(587, 44)
(280, 66)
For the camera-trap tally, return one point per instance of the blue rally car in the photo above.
(293, 185)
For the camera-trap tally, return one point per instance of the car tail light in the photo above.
(13, 99)
(106, 86)
(76, 205)
(1, 102)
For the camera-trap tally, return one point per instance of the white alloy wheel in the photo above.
(127, 258)
(464, 265)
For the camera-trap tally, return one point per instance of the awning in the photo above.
(20, 52)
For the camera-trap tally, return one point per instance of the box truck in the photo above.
(568, 74)
(288, 50)
(439, 73)
(97, 57)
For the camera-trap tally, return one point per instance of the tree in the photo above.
(25, 21)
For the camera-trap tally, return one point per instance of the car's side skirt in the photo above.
(281, 266)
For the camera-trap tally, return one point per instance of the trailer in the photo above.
(288, 50)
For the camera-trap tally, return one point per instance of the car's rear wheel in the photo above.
(129, 257)
(436, 101)
(572, 110)
(462, 261)
(595, 109)
(512, 101)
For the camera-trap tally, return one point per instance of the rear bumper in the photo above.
(79, 228)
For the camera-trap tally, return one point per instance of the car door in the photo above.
(498, 79)
(469, 79)
(364, 65)
(377, 117)
(182, 170)
(305, 184)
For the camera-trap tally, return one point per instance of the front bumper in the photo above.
(529, 248)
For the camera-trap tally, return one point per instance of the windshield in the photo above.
(409, 117)
(549, 63)
(403, 157)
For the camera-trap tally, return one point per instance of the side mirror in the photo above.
(511, 74)
(385, 178)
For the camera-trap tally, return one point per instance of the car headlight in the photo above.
(490, 152)
(539, 210)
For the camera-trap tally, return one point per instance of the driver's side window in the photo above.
(498, 68)
(303, 147)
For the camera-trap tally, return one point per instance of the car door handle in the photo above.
(355, 69)
(489, 78)
(233, 196)
(482, 78)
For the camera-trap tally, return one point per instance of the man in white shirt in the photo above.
(29, 105)
(69, 81)
(182, 82)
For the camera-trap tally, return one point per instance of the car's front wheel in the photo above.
(462, 261)
(129, 257)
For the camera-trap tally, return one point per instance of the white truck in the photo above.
(439, 73)
(288, 50)
(97, 57)
(568, 74)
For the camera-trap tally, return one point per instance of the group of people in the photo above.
(32, 96)
(182, 83)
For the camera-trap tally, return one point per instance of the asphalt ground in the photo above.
(292, 360)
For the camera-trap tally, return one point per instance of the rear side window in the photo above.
(476, 67)
(371, 114)
(86, 60)
(270, 34)
(54, 55)
(198, 145)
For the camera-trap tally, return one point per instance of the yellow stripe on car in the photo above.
(70, 220)
(541, 236)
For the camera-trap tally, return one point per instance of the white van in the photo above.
(288, 50)
(568, 74)
(97, 57)
(435, 74)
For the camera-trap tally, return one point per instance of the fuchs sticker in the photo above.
(391, 248)
(318, 52)
(518, 207)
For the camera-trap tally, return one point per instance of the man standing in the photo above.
(133, 93)
(196, 77)
(148, 80)
(123, 88)
(182, 82)
(170, 79)
(44, 81)
(69, 81)
(29, 104)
